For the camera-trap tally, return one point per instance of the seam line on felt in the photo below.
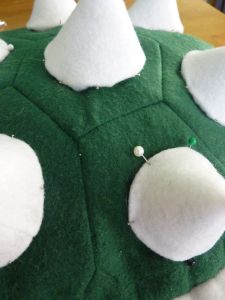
(85, 194)
(118, 118)
(161, 59)
(18, 70)
(194, 131)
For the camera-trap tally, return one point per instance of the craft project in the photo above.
(47, 14)
(156, 15)
(204, 73)
(4, 49)
(97, 47)
(93, 147)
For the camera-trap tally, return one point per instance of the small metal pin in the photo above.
(192, 142)
(139, 152)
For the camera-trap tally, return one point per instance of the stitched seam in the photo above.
(193, 130)
(85, 194)
(143, 35)
(118, 118)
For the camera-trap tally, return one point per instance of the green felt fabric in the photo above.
(85, 248)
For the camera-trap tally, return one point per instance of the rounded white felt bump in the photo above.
(204, 73)
(156, 15)
(21, 198)
(213, 289)
(97, 47)
(47, 14)
(4, 49)
(177, 204)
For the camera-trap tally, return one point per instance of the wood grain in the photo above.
(199, 19)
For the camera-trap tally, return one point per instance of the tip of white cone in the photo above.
(10, 47)
(97, 46)
(156, 15)
(47, 14)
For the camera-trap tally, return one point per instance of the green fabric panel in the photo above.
(85, 249)
(49, 268)
(93, 107)
(117, 250)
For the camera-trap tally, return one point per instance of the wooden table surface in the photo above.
(199, 19)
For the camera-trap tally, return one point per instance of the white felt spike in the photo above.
(97, 47)
(47, 14)
(213, 289)
(156, 15)
(5, 49)
(204, 73)
(21, 198)
(177, 204)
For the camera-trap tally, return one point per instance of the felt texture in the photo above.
(22, 198)
(97, 47)
(4, 49)
(47, 14)
(204, 73)
(213, 289)
(156, 15)
(84, 141)
(176, 199)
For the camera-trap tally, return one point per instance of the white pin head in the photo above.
(139, 152)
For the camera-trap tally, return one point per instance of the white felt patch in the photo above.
(156, 15)
(47, 14)
(213, 289)
(4, 49)
(97, 47)
(177, 204)
(204, 73)
(21, 198)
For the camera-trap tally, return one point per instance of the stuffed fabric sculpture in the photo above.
(104, 192)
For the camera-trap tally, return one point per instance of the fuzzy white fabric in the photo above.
(213, 289)
(97, 47)
(177, 204)
(156, 15)
(4, 49)
(21, 198)
(204, 73)
(47, 14)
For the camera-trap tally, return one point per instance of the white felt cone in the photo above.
(204, 73)
(156, 15)
(47, 14)
(213, 289)
(177, 204)
(21, 198)
(4, 49)
(96, 47)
